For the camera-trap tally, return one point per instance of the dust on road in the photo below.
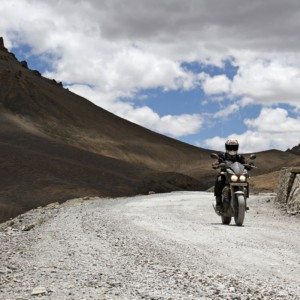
(160, 246)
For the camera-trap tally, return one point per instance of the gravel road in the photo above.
(161, 246)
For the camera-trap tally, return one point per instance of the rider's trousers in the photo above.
(219, 185)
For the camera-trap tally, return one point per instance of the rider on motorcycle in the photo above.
(231, 154)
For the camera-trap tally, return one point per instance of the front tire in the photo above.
(226, 220)
(240, 208)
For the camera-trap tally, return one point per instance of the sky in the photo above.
(200, 71)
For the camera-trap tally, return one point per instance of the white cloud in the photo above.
(273, 128)
(245, 101)
(227, 111)
(216, 84)
(260, 81)
(273, 121)
(172, 125)
(268, 82)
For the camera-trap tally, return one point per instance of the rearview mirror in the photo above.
(252, 156)
(214, 155)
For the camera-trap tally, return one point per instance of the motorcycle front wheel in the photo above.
(239, 211)
(226, 220)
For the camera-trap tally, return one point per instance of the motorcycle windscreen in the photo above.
(237, 168)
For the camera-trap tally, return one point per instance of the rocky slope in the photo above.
(288, 192)
(294, 150)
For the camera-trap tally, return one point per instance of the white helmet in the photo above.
(232, 147)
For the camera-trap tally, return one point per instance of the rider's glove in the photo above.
(249, 166)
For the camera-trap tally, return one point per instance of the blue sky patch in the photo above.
(42, 63)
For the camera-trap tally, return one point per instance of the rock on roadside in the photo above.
(39, 290)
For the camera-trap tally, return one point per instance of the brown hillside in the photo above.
(36, 170)
(264, 183)
(56, 145)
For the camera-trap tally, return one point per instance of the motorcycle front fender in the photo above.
(239, 193)
(235, 191)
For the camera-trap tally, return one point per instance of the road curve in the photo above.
(161, 246)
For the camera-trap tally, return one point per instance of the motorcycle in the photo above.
(236, 190)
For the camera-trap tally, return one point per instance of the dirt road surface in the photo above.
(161, 246)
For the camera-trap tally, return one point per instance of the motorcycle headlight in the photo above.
(243, 178)
(234, 178)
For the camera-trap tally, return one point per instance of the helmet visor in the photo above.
(232, 147)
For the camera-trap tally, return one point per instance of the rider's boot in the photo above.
(219, 204)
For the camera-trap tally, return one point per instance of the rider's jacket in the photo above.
(237, 158)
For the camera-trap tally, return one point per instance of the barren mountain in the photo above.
(294, 150)
(56, 145)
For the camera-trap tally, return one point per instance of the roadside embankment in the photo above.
(288, 193)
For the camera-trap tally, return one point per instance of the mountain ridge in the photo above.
(294, 150)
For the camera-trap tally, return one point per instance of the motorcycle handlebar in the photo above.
(223, 165)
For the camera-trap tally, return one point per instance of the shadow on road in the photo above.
(231, 225)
